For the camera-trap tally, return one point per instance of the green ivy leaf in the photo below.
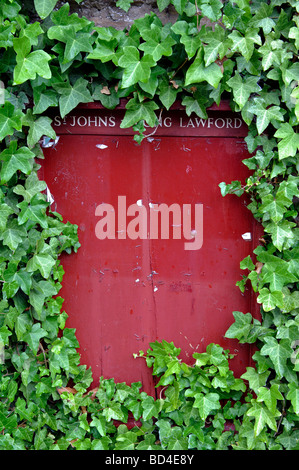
(104, 50)
(197, 106)
(245, 44)
(30, 64)
(206, 403)
(136, 111)
(198, 72)
(289, 145)
(151, 408)
(13, 235)
(270, 396)
(44, 7)
(281, 233)
(211, 9)
(155, 47)
(124, 4)
(243, 88)
(15, 159)
(71, 96)
(216, 45)
(41, 262)
(262, 417)
(293, 395)
(34, 210)
(10, 120)
(136, 69)
(241, 328)
(43, 99)
(167, 94)
(75, 42)
(279, 353)
(262, 18)
(269, 299)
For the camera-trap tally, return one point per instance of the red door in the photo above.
(122, 292)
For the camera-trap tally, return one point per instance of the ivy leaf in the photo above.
(13, 235)
(167, 94)
(270, 396)
(33, 337)
(241, 328)
(243, 88)
(10, 120)
(277, 276)
(135, 69)
(245, 44)
(30, 64)
(279, 353)
(157, 48)
(294, 34)
(198, 72)
(263, 417)
(42, 263)
(151, 408)
(262, 19)
(43, 99)
(109, 99)
(136, 111)
(114, 411)
(71, 96)
(75, 42)
(293, 395)
(104, 50)
(289, 144)
(216, 45)
(15, 159)
(5, 333)
(196, 106)
(179, 5)
(281, 232)
(34, 210)
(5, 212)
(211, 9)
(265, 114)
(44, 7)
(162, 4)
(38, 127)
(33, 185)
(124, 4)
(22, 325)
(99, 422)
(206, 403)
(269, 299)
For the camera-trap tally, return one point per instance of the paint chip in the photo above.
(101, 146)
(247, 236)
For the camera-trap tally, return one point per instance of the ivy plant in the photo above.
(244, 51)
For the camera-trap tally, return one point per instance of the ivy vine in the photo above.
(248, 54)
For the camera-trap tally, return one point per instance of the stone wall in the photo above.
(105, 12)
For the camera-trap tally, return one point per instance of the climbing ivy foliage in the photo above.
(246, 52)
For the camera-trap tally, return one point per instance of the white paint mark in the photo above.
(50, 198)
(101, 146)
(247, 236)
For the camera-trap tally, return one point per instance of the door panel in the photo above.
(122, 294)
